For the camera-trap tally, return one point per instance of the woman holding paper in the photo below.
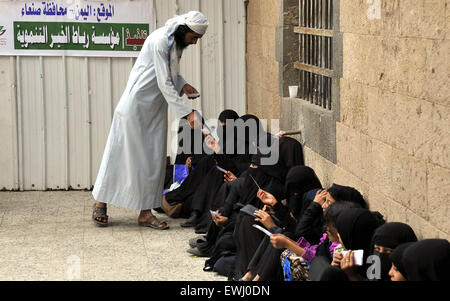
(356, 227)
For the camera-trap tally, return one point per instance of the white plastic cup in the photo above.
(293, 91)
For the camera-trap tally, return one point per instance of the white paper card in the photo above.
(196, 95)
(358, 256)
(267, 232)
(221, 169)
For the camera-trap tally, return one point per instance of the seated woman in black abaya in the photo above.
(300, 180)
(232, 153)
(307, 224)
(194, 156)
(222, 158)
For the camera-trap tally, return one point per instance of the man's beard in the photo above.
(180, 40)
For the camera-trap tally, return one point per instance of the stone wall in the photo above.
(393, 133)
(263, 20)
(394, 130)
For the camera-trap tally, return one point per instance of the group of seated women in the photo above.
(276, 222)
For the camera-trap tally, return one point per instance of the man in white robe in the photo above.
(132, 170)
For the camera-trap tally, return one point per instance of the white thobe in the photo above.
(132, 170)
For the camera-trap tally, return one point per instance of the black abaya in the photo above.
(266, 260)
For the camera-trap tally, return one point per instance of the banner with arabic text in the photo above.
(75, 27)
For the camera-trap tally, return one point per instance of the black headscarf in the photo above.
(243, 147)
(300, 179)
(356, 227)
(396, 257)
(227, 115)
(346, 193)
(190, 142)
(330, 215)
(292, 151)
(390, 235)
(223, 130)
(265, 181)
(276, 170)
(247, 142)
(427, 260)
(321, 270)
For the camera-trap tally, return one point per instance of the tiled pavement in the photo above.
(50, 236)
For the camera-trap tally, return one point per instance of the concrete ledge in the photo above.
(318, 125)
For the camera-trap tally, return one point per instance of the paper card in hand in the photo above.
(357, 255)
(221, 169)
(249, 209)
(267, 232)
(195, 95)
(255, 181)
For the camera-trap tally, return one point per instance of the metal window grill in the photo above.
(316, 51)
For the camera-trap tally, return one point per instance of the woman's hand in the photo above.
(212, 144)
(320, 197)
(218, 219)
(349, 267)
(264, 218)
(188, 163)
(337, 258)
(229, 177)
(266, 198)
(279, 241)
(194, 120)
(281, 134)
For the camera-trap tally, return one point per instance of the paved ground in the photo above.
(50, 236)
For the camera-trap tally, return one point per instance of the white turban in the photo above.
(195, 20)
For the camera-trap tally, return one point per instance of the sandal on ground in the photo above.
(154, 223)
(99, 216)
(208, 268)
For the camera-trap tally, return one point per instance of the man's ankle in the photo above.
(146, 213)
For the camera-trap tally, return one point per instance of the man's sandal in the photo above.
(99, 216)
(153, 223)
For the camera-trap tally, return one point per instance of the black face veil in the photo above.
(299, 180)
(391, 235)
(227, 144)
(427, 260)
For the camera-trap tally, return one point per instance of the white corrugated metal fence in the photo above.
(56, 111)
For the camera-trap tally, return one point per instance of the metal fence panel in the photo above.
(56, 112)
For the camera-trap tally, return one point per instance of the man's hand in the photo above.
(188, 89)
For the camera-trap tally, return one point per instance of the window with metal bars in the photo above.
(316, 30)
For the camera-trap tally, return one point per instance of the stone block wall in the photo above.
(393, 137)
(263, 20)
(393, 133)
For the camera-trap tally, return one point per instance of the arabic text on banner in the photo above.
(87, 28)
